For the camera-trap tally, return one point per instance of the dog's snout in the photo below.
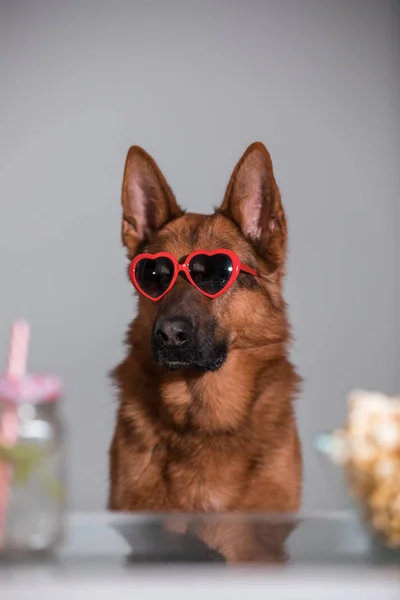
(174, 332)
(181, 341)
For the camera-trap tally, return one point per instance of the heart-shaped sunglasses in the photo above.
(212, 273)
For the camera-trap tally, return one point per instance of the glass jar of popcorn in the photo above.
(32, 478)
(367, 448)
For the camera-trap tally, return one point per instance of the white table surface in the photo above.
(330, 556)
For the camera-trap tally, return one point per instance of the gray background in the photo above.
(194, 83)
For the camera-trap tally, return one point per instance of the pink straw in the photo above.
(16, 369)
(18, 350)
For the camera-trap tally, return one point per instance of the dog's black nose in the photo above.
(174, 332)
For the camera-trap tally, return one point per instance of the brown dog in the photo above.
(205, 419)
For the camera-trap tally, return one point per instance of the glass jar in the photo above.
(32, 480)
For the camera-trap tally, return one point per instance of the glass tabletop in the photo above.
(113, 549)
(129, 538)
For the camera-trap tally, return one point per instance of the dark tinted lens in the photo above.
(211, 273)
(154, 275)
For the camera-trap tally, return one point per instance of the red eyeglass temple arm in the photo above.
(247, 269)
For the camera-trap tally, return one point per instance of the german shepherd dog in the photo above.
(206, 420)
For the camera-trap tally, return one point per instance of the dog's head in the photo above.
(185, 328)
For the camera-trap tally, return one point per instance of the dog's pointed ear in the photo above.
(147, 200)
(252, 200)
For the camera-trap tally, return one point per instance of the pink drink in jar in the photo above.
(32, 478)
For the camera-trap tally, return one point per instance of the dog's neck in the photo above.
(212, 402)
(222, 401)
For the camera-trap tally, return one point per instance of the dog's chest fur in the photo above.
(174, 460)
(204, 474)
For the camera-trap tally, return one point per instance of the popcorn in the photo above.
(386, 468)
(368, 447)
(387, 435)
(362, 452)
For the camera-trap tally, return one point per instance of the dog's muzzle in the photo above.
(176, 345)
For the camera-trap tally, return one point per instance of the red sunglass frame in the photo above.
(237, 267)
